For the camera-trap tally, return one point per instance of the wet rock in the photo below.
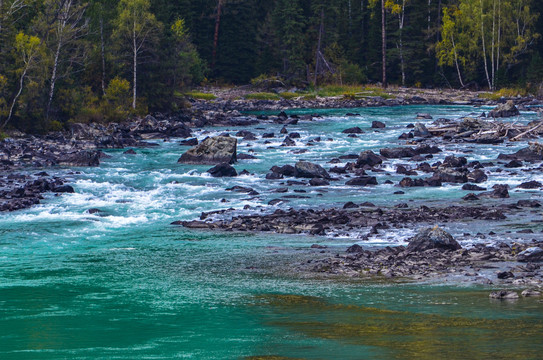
(353, 130)
(532, 254)
(530, 185)
(529, 203)
(532, 153)
(318, 182)
(424, 116)
(514, 164)
(129, 152)
(246, 135)
(213, 150)
(454, 162)
(471, 187)
(420, 130)
(306, 169)
(355, 249)
(369, 158)
(243, 156)
(432, 238)
(471, 197)
(504, 110)
(450, 175)
(398, 153)
(505, 275)
(189, 142)
(500, 192)
(350, 205)
(477, 176)
(64, 189)
(504, 295)
(81, 158)
(531, 292)
(223, 170)
(378, 125)
(362, 181)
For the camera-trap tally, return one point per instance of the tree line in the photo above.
(96, 60)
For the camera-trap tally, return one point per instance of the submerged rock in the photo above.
(504, 295)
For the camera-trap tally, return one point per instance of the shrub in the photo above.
(289, 95)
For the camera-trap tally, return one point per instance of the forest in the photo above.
(65, 61)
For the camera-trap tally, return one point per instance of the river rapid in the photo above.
(122, 283)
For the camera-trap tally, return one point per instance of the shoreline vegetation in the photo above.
(83, 144)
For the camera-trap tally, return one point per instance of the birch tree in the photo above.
(139, 28)
(29, 50)
(68, 27)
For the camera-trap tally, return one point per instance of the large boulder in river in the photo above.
(212, 151)
(309, 170)
(504, 110)
(81, 158)
(432, 238)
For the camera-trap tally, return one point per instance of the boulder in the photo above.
(504, 294)
(212, 151)
(432, 238)
(318, 182)
(369, 158)
(378, 125)
(353, 130)
(530, 185)
(398, 153)
(189, 142)
(421, 130)
(81, 158)
(223, 170)
(477, 176)
(309, 170)
(504, 110)
(450, 175)
(532, 254)
(362, 181)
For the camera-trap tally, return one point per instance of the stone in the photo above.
(353, 130)
(212, 151)
(189, 142)
(378, 125)
(531, 292)
(350, 205)
(305, 169)
(129, 152)
(532, 254)
(81, 158)
(223, 170)
(64, 189)
(504, 110)
(318, 182)
(530, 185)
(504, 295)
(398, 153)
(368, 157)
(505, 275)
(477, 176)
(421, 130)
(432, 238)
(362, 181)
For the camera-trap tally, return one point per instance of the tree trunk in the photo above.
(456, 62)
(216, 35)
(401, 18)
(21, 83)
(384, 39)
(103, 53)
(484, 47)
(319, 44)
(492, 57)
(53, 78)
(135, 65)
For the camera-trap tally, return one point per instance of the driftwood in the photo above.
(488, 131)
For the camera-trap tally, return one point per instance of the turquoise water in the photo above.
(124, 284)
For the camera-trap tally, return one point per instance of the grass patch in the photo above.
(352, 92)
(504, 93)
(3, 136)
(289, 95)
(197, 95)
(262, 96)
